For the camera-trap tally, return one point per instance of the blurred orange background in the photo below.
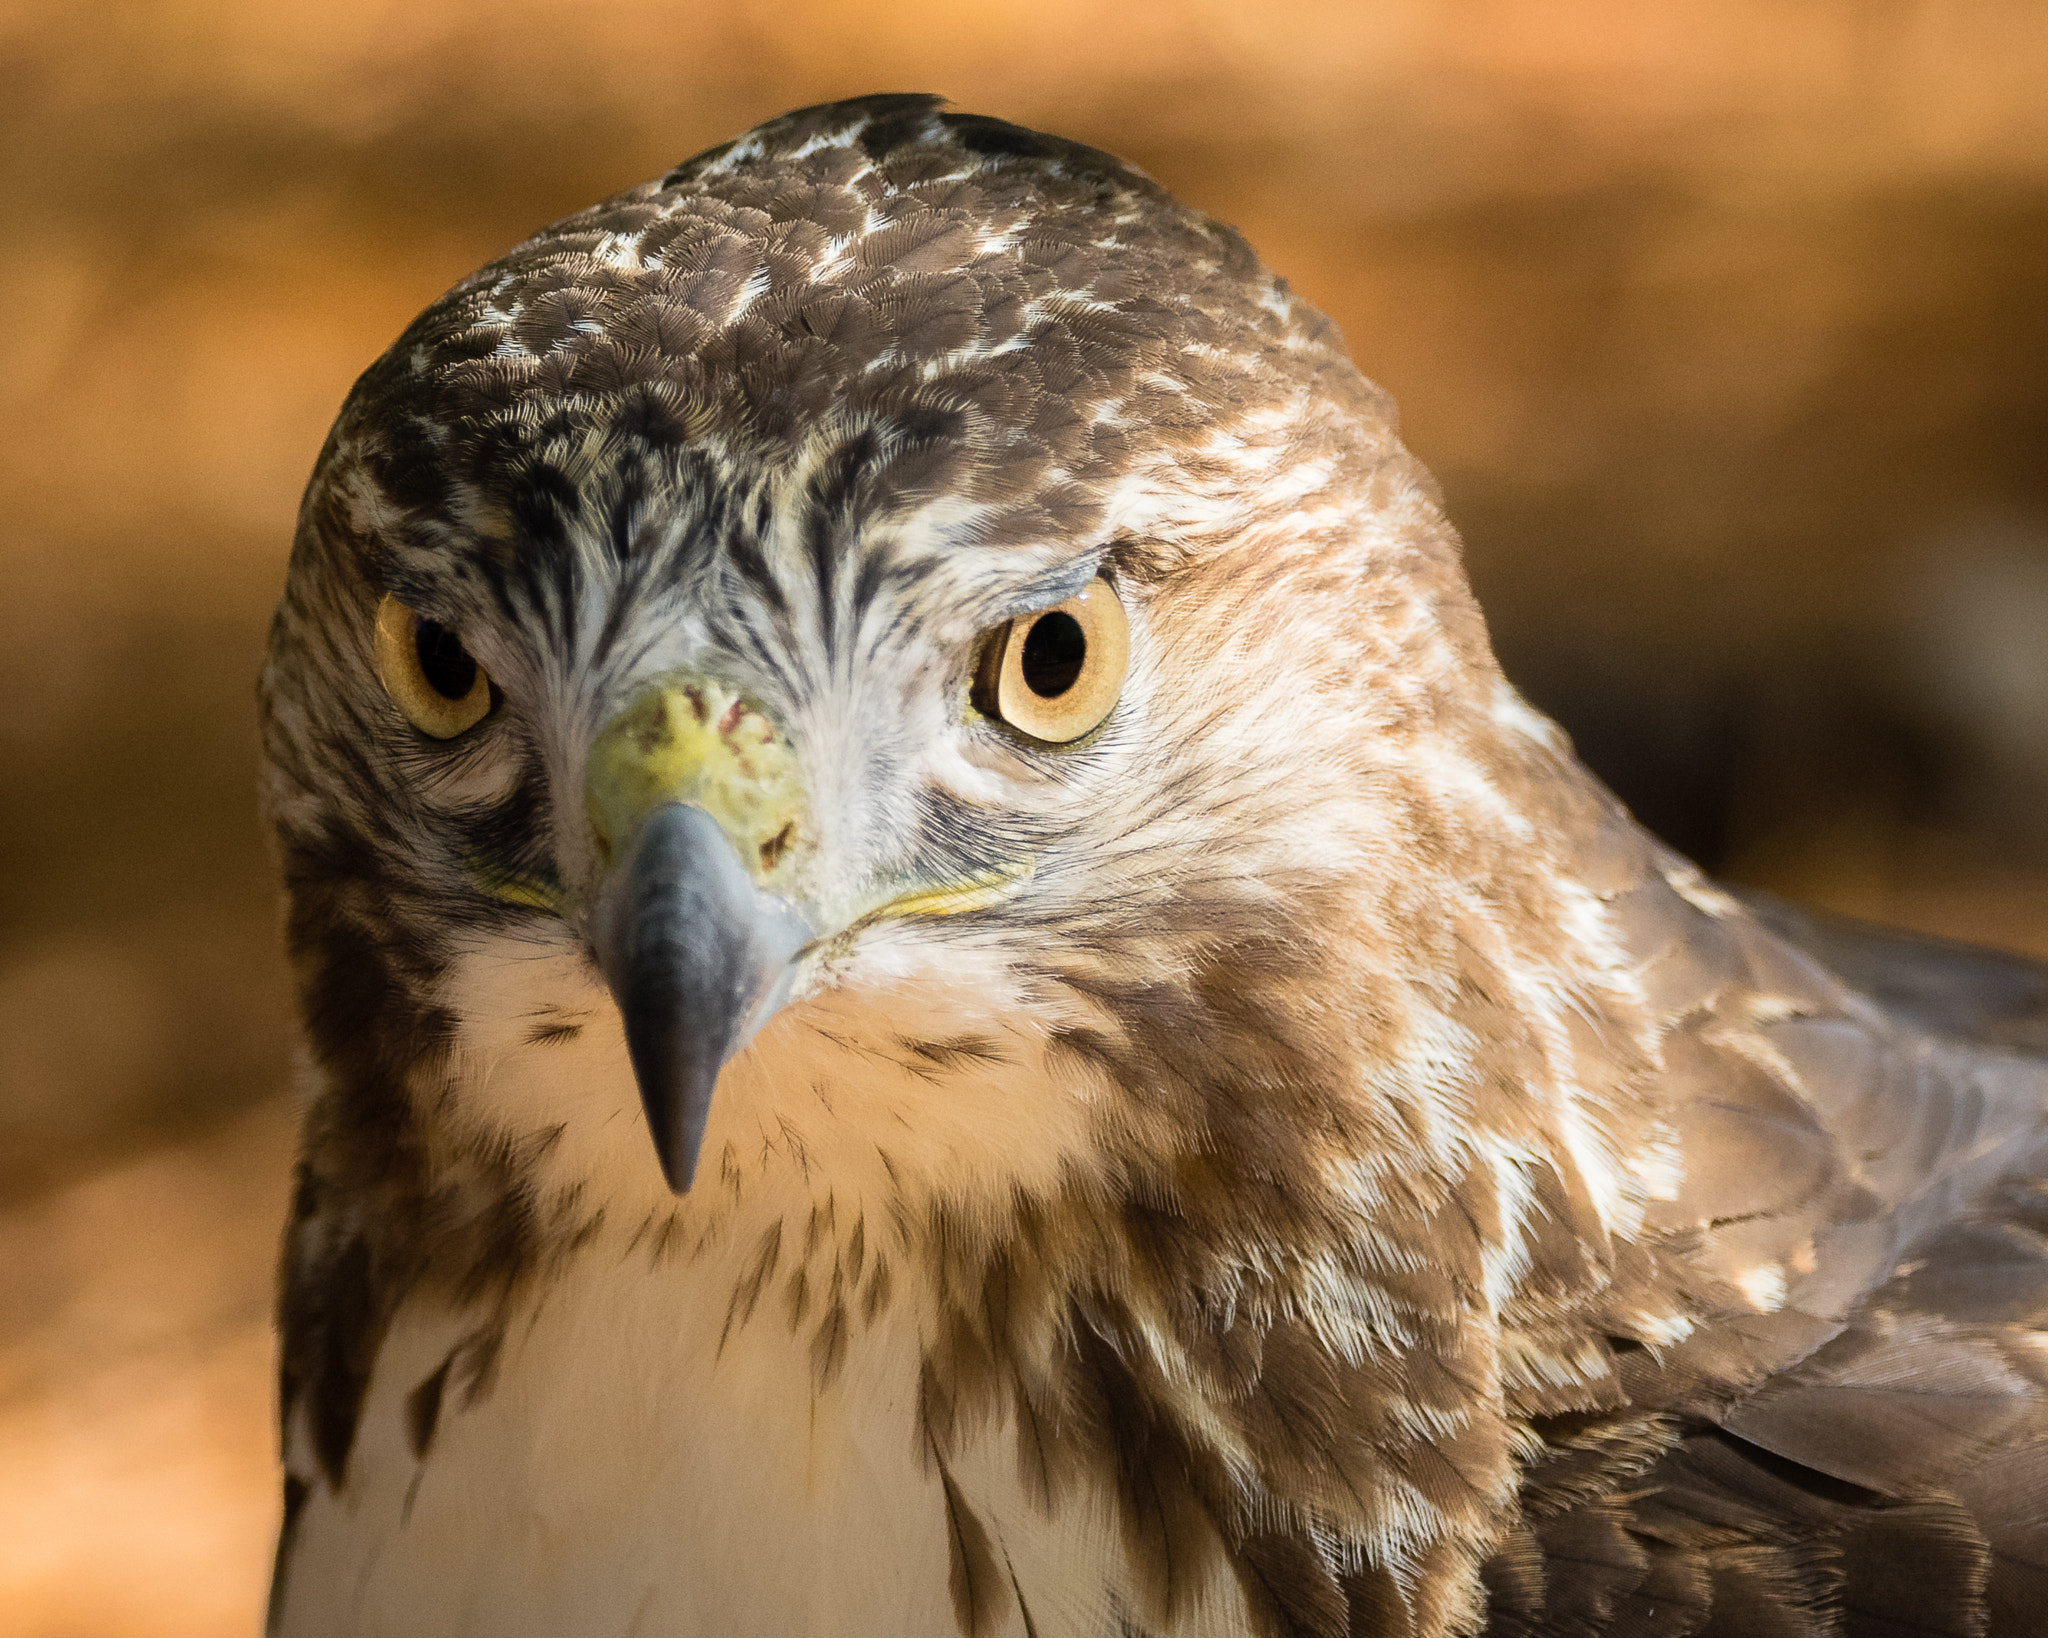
(1724, 323)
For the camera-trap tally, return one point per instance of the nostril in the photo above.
(773, 849)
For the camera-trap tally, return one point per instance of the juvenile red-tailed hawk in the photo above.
(945, 995)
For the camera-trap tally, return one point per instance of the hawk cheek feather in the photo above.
(1248, 1138)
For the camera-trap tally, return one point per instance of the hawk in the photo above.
(945, 994)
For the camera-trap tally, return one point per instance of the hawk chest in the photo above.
(635, 1460)
(645, 1457)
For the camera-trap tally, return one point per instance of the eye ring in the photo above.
(1055, 674)
(429, 675)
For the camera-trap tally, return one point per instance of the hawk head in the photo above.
(891, 544)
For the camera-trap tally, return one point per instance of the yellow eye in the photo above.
(427, 672)
(1055, 674)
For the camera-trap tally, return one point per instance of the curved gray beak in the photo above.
(697, 958)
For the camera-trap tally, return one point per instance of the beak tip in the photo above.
(676, 1087)
(678, 1167)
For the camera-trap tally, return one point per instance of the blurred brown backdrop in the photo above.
(1722, 321)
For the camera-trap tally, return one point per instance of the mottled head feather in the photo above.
(1022, 324)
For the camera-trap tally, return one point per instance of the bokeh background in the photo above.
(1724, 323)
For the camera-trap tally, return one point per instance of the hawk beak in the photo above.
(697, 959)
(695, 949)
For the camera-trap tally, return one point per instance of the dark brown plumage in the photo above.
(1292, 1158)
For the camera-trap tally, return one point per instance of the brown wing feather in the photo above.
(1962, 991)
(1855, 1442)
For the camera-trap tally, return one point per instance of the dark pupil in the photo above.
(444, 662)
(1054, 650)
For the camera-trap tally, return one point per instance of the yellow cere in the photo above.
(692, 739)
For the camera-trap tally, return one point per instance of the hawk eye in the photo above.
(427, 672)
(1054, 675)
